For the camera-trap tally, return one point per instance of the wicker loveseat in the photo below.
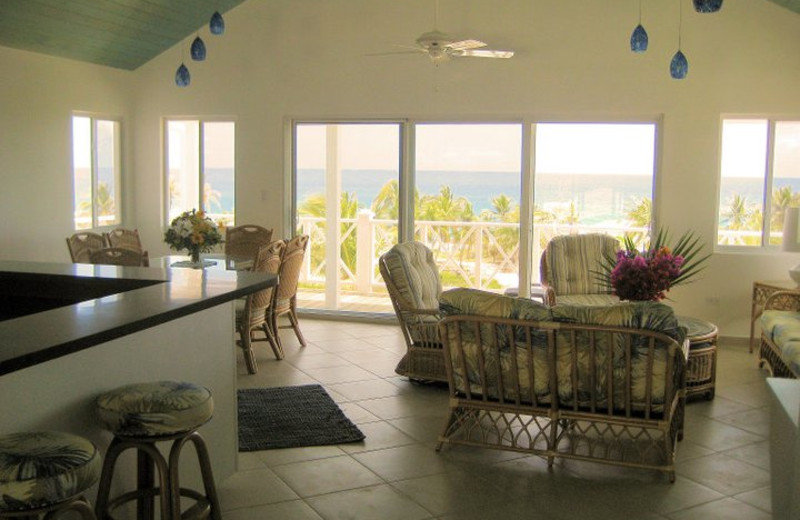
(780, 335)
(602, 383)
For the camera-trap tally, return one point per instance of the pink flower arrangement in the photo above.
(650, 273)
(645, 275)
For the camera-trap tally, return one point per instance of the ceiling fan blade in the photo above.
(466, 44)
(484, 53)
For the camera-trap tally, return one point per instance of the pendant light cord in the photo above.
(680, 22)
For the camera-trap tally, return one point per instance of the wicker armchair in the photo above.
(285, 299)
(412, 279)
(252, 312)
(244, 241)
(127, 238)
(81, 246)
(119, 256)
(568, 267)
(780, 335)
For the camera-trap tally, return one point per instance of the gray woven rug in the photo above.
(291, 417)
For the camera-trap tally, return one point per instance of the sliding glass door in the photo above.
(346, 200)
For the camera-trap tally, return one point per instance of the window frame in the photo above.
(200, 160)
(94, 118)
(772, 121)
(527, 182)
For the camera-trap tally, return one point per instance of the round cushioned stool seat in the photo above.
(155, 409)
(42, 469)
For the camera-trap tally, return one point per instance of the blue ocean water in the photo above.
(597, 197)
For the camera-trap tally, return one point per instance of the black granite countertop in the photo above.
(51, 310)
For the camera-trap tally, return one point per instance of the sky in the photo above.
(562, 148)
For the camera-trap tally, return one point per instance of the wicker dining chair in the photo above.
(285, 299)
(245, 240)
(120, 256)
(412, 279)
(81, 245)
(127, 238)
(252, 312)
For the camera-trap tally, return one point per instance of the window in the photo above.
(201, 168)
(468, 176)
(95, 172)
(759, 179)
(464, 190)
(346, 193)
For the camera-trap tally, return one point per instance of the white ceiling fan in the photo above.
(440, 47)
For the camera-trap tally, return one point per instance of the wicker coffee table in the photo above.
(701, 373)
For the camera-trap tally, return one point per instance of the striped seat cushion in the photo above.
(41, 469)
(574, 260)
(413, 271)
(783, 328)
(155, 409)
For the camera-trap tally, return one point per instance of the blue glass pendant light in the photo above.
(707, 6)
(198, 49)
(639, 39)
(182, 76)
(216, 24)
(679, 66)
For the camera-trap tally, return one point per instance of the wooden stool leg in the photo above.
(104, 487)
(145, 479)
(208, 476)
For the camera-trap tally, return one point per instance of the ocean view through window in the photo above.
(96, 172)
(463, 187)
(201, 168)
(757, 186)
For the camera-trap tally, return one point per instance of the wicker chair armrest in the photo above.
(549, 295)
(783, 301)
(422, 326)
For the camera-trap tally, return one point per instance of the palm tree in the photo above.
(386, 204)
(640, 216)
(741, 217)
(445, 206)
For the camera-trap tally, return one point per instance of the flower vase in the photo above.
(195, 255)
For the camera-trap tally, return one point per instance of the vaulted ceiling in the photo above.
(117, 33)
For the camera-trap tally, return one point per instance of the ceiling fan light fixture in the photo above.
(182, 76)
(198, 49)
(216, 25)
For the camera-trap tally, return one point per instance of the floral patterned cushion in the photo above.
(783, 328)
(40, 469)
(640, 315)
(586, 299)
(154, 409)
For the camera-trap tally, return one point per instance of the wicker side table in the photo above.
(701, 372)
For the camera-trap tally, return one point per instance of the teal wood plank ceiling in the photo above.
(116, 33)
(119, 33)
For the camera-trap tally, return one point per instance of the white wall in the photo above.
(290, 58)
(38, 95)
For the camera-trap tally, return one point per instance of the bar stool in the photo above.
(46, 473)
(139, 416)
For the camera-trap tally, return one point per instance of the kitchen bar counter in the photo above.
(84, 305)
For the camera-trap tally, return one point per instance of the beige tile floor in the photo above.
(723, 466)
